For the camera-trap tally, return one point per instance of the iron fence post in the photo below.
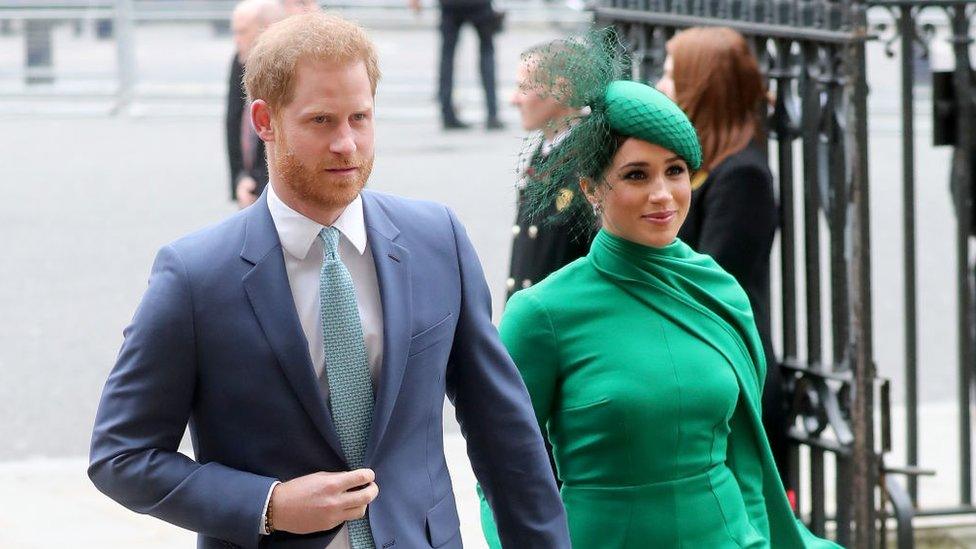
(864, 462)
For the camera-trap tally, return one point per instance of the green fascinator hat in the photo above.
(586, 73)
(638, 110)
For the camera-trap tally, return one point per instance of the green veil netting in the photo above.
(584, 73)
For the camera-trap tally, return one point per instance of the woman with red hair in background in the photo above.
(712, 74)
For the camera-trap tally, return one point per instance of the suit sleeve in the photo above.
(527, 333)
(741, 219)
(232, 122)
(143, 414)
(496, 417)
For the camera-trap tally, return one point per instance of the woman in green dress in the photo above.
(642, 358)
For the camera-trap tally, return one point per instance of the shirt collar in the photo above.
(297, 233)
(548, 146)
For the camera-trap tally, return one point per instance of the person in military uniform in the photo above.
(543, 240)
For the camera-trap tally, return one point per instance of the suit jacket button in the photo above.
(533, 230)
(516, 230)
(510, 283)
(526, 283)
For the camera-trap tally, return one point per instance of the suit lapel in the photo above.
(393, 278)
(269, 293)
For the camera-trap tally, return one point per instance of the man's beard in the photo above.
(316, 185)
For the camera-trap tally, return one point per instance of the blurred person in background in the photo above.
(295, 7)
(543, 241)
(713, 75)
(245, 152)
(486, 22)
(309, 342)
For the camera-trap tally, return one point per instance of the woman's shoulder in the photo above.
(750, 161)
(705, 271)
(743, 178)
(560, 286)
(699, 264)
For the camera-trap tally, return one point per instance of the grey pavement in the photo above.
(89, 198)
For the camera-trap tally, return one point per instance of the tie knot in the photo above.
(330, 242)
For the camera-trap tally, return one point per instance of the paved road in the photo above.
(88, 199)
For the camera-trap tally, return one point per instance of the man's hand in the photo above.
(322, 501)
(415, 5)
(245, 191)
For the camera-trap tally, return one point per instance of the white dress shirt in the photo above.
(303, 254)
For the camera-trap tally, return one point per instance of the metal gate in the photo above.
(813, 54)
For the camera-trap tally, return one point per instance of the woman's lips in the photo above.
(660, 218)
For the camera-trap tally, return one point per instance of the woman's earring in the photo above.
(597, 209)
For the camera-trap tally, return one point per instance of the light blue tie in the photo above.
(346, 367)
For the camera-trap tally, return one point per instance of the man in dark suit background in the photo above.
(484, 19)
(245, 152)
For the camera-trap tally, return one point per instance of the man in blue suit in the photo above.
(309, 341)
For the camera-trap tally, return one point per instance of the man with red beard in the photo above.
(309, 341)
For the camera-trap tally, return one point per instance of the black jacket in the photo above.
(539, 246)
(235, 110)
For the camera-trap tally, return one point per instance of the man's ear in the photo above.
(261, 120)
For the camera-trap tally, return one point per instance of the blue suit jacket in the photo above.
(216, 343)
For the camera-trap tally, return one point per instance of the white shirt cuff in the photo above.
(263, 530)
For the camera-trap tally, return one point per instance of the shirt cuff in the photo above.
(263, 529)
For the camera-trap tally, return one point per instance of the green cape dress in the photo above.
(644, 367)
